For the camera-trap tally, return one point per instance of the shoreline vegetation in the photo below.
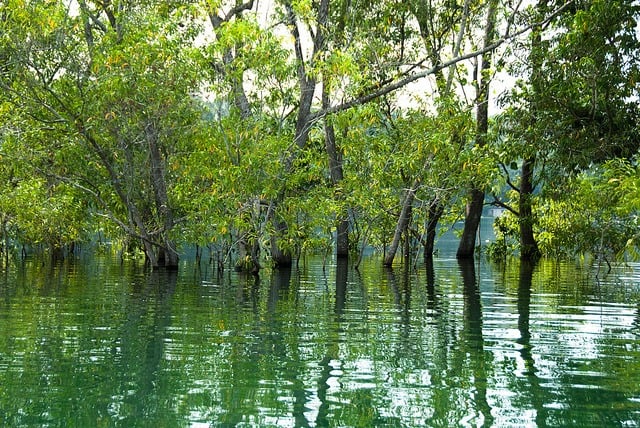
(266, 131)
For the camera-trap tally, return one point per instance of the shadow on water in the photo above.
(401, 296)
(636, 322)
(432, 297)
(342, 275)
(109, 345)
(283, 288)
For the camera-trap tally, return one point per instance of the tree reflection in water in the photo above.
(449, 344)
(526, 349)
(328, 374)
(472, 339)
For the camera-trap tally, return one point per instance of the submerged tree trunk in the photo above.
(528, 245)
(280, 257)
(473, 213)
(436, 209)
(342, 236)
(167, 254)
(304, 119)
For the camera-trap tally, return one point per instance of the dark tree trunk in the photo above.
(56, 252)
(279, 256)
(528, 245)
(307, 84)
(342, 237)
(135, 226)
(467, 244)
(336, 173)
(167, 254)
(436, 209)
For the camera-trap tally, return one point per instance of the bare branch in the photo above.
(458, 43)
(92, 16)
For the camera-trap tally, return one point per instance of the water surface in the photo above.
(97, 342)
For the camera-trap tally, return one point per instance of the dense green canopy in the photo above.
(265, 130)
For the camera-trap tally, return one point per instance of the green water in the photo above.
(96, 343)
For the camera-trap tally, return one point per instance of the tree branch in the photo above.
(108, 214)
(498, 203)
(217, 20)
(384, 90)
(92, 16)
(506, 172)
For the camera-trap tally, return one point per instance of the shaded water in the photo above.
(98, 343)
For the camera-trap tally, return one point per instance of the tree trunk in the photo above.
(467, 245)
(342, 237)
(307, 84)
(401, 225)
(436, 209)
(280, 257)
(167, 254)
(528, 245)
(336, 172)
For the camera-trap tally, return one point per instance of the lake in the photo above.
(95, 342)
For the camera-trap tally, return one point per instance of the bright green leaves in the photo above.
(303, 9)
(576, 113)
(35, 209)
(597, 213)
(105, 93)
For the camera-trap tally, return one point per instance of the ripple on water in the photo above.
(385, 352)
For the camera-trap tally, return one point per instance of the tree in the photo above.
(166, 121)
(437, 24)
(483, 78)
(115, 86)
(578, 104)
(600, 217)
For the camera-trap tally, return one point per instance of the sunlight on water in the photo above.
(104, 344)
